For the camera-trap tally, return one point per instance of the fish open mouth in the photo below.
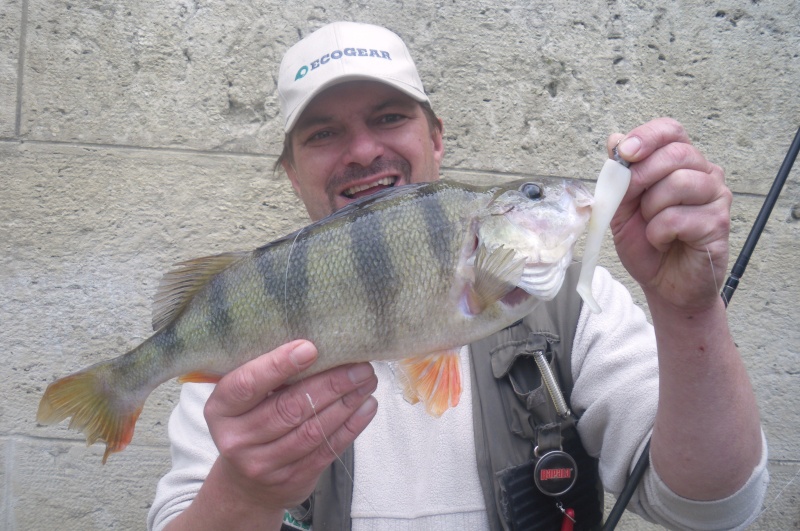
(361, 190)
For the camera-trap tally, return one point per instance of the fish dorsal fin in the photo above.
(496, 274)
(179, 285)
(434, 379)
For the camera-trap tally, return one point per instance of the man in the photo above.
(357, 120)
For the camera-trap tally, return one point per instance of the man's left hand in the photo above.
(671, 229)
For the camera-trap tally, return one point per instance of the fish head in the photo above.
(540, 220)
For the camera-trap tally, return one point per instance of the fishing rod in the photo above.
(727, 292)
(758, 227)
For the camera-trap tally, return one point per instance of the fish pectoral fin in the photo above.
(199, 377)
(434, 379)
(496, 274)
(179, 285)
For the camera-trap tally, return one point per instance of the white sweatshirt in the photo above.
(414, 472)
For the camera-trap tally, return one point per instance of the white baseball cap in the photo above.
(340, 52)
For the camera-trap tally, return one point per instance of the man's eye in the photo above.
(391, 118)
(319, 135)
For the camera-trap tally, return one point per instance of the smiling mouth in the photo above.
(365, 189)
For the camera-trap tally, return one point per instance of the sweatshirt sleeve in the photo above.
(617, 414)
(193, 453)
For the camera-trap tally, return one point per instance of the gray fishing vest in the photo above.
(505, 379)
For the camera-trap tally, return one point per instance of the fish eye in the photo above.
(531, 190)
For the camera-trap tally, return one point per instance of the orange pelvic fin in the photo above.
(199, 377)
(434, 379)
(95, 409)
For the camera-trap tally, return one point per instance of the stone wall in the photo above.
(137, 134)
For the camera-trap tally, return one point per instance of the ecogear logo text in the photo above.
(338, 54)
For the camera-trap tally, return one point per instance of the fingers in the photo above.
(641, 142)
(263, 414)
(672, 226)
(697, 226)
(274, 438)
(283, 450)
(331, 396)
(665, 161)
(307, 467)
(685, 187)
(240, 390)
(329, 432)
(666, 168)
(247, 414)
(278, 438)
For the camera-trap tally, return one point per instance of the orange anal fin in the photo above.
(434, 379)
(199, 377)
(125, 431)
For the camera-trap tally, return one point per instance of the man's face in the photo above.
(357, 138)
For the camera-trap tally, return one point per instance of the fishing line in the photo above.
(297, 365)
(302, 379)
(768, 507)
(324, 436)
(327, 441)
(713, 271)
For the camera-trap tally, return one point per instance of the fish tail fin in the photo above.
(96, 408)
(435, 379)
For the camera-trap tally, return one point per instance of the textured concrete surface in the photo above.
(137, 134)
(10, 18)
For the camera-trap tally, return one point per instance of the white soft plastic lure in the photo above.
(612, 183)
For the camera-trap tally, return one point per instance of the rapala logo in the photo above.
(555, 473)
(338, 54)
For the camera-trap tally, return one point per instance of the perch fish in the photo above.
(411, 273)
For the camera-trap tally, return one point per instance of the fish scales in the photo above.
(368, 285)
(413, 271)
(426, 252)
(377, 286)
(338, 284)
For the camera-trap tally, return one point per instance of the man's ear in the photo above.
(292, 174)
(437, 136)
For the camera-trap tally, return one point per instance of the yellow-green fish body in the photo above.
(411, 272)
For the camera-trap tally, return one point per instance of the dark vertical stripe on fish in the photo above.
(272, 271)
(373, 261)
(169, 342)
(218, 308)
(296, 287)
(436, 221)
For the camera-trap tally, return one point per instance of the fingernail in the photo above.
(359, 373)
(368, 408)
(629, 147)
(303, 354)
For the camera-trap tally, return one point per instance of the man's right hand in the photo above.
(273, 443)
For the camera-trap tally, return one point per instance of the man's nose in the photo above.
(363, 147)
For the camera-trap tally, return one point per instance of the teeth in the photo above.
(386, 181)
